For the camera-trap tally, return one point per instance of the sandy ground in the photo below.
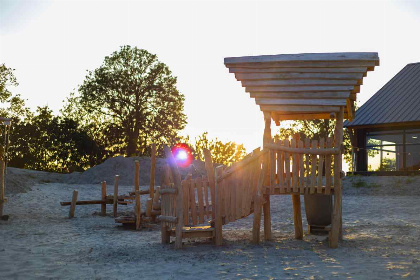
(381, 241)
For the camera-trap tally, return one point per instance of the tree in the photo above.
(135, 96)
(224, 153)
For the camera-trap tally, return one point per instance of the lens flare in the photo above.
(182, 154)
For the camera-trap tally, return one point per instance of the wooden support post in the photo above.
(149, 205)
(2, 196)
(258, 200)
(179, 198)
(336, 215)
(103, 197)
(152, 172)
(218, 238)
(266, 205)
(117, 177)
(297, 216)
(166, 236)
(137, 193)
(73, 204)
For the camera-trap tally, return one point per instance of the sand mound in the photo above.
(124, 166)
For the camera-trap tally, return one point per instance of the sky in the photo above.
(52, 44)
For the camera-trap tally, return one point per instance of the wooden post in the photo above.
(73, 204)
(149, 205)
(257, 205)
(179, 197)
(152, 172)
(297, 216)
(2, 196)
(117, 177)
(137, 193)
(103, 197)
(218, 208)
(336, 215)
(266, 205)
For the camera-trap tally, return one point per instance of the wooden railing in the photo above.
(303, 167)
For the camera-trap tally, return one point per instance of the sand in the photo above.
(381, 240)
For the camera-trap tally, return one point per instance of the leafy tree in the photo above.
(224, 153)
(133, 99)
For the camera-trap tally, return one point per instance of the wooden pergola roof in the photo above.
(303, 86)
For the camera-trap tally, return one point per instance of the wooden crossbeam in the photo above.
(370, 64)
(316, 102)
(300, 88)
(301, 95)
(292, 83)
(301, 109)
(299, 76)
(362, 70)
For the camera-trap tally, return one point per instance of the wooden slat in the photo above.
(328, 168)
(238, 202)
(294, 167)
(311, 102)
(287, 165)
(301, 170)
(210, 174)
(307, 146)
(294, 108)
(298, 88)
(280, 166)
(272, 170)
(115, 205)
(232, 191)
(320, 165)
(300, 82)
(279, 116)
(301, 95)
(73, 204)
(186, 201)
(152, 172)
(314, 145)
(199, 186)
(299, 70)
(103, 197)
(217, 209)
(206, 198)
(193, 205)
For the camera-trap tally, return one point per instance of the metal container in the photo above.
(318, 208)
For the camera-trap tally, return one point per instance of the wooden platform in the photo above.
(196, 232)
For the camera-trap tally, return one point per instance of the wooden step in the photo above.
(196, 232)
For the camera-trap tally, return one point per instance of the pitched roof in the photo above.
(398, 101)
(303, 86)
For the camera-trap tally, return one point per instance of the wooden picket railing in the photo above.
(303, 167)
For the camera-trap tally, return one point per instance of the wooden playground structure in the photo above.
(138, 217)
(286, 87)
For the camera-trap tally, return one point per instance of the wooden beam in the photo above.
(294, 83)
(210, 175)
(300, 88)
(301, 116)
(152, 172)
(103, 197)
(332, 151)
(307, 64)
(301, 95)
(295, 77)
(117, 177)
(312, 102)
(362, 70)
(300, 109)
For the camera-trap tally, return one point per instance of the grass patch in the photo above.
(362, 184)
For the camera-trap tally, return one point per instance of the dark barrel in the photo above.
(318, 208)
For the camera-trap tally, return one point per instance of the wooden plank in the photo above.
(298, 88)
(301, 170)
(280, 166)
(152, 172)
(294, 77)
(136, 175)
(239, 194)
(193, 205)
(314, 145)
(232, 191)
(206, 197)
(210, 174)
(186, 205)
(362, 70)
(257, 206)
(279, 116)
(312, 102)
(199, 185)
(294, 167)
(117, 177)
(246, 181)
(138, 210)
(299, 82)
(336, 225)
(295, 108)
(305, 57)
(73, 204)
(272, 170)
(302, 150)
(320, 165)
(307, 146)
(287, 165)
(217, 209)
(302, 95)
(103, 198)
(168, 191)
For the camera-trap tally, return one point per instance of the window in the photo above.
(395, 150)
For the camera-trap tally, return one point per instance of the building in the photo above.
(385, 132)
